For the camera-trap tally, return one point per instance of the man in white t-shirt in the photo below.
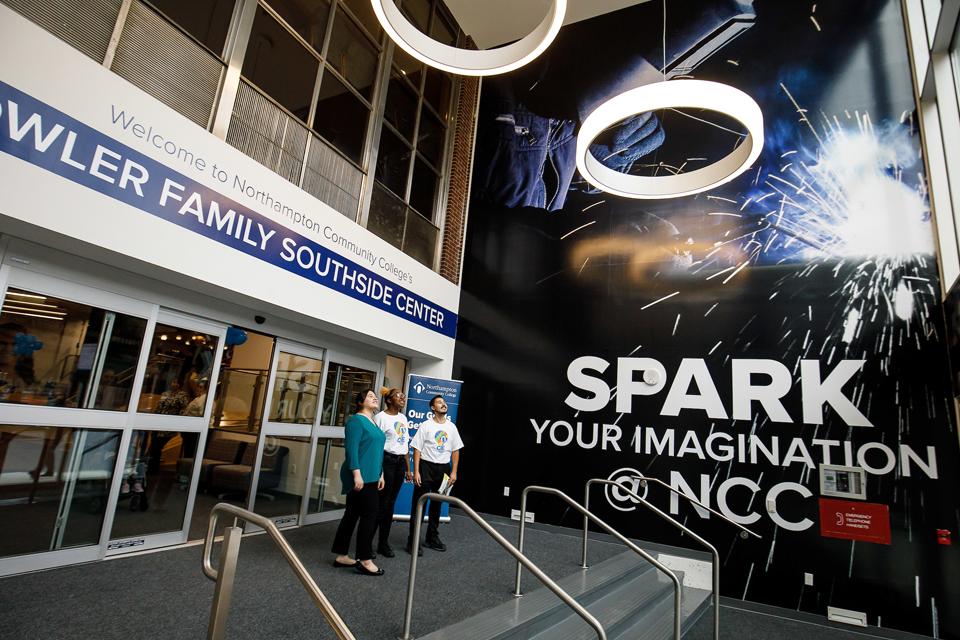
(396, 464)
(436, 449)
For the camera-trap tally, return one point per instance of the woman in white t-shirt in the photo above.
(396, 463)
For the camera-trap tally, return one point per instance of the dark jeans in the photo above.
(394, 470)
(362, 506)
(431, 475)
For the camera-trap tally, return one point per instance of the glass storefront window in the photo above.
(282, 480)
(410, 67)
(353, 55)
(180, 361)
(341, 117)
(296, 389)
(393, 162)
(280, 65)
(206, 20)
(436, 91)
(325, 487)
(343, 383)
(59, 353)
(417, 12)
(156, 475)
(307, 17)
(443, 32)
(401, 108)
(242, 383)
(431, 138)
(423, 190)
(364, 13)
(54, 484)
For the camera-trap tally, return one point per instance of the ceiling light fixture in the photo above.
(675, 94)
(463, 61)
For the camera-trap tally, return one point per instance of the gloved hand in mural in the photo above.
(528, 157)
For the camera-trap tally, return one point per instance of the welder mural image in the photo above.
(734, 342)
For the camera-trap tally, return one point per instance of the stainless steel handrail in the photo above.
(521, 559)
(576, 505)
(228, 560)
(713, 550)
(744, 532)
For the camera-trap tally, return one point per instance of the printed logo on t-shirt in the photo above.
(401, 432)
(441, 439)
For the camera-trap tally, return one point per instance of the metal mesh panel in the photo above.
(388, 216)
(263, 131)
(420, 240)
(333, 180)
(84, 24)
(157, 57)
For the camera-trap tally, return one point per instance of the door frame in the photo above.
(330, 431)
(186, 424)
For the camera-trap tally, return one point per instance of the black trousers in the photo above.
(394, 470)
(362, 506)
(431, 475)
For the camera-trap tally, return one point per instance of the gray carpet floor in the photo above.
(165, 595)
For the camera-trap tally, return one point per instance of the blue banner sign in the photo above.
(47, 138)
(420, 390)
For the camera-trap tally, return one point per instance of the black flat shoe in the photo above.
(362, 570)
(436, 545)
(340, 565)
(386, 551)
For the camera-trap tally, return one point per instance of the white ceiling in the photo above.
(495, 22)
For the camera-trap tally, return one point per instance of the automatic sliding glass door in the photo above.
(345, 376)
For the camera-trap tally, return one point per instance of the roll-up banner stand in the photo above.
(420, 390)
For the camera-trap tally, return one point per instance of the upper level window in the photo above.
(280, 65)
(206, 20)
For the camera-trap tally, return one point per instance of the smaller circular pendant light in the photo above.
(462, 61)
(675, 94)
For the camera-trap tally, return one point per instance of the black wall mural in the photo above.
(793, 314)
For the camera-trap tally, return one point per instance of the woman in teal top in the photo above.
(361, 475)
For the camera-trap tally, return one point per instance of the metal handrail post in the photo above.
(339, 626)
(677, 587)
(414, 552)
(224, 589)
(516, 553)
(586, 527)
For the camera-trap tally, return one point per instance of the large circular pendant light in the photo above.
(674, 94)
(462, 61)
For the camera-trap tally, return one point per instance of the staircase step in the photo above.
(542, 603)
(625, 604)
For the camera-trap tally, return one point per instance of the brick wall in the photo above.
(455, 217)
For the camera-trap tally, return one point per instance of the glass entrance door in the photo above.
(228, 459)
(293, 406)
(345, 376)
(159, 466)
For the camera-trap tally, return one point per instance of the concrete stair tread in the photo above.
(625, 594)
(630, 601)
(542, 602)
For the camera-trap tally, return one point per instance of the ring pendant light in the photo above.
(665, 95)
(462, 61)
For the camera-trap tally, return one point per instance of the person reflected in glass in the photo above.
(361, 476)
(173, 401)
(197, 405)
(396, 463)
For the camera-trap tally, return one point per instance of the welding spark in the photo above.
(660, 300)
(577, 229)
